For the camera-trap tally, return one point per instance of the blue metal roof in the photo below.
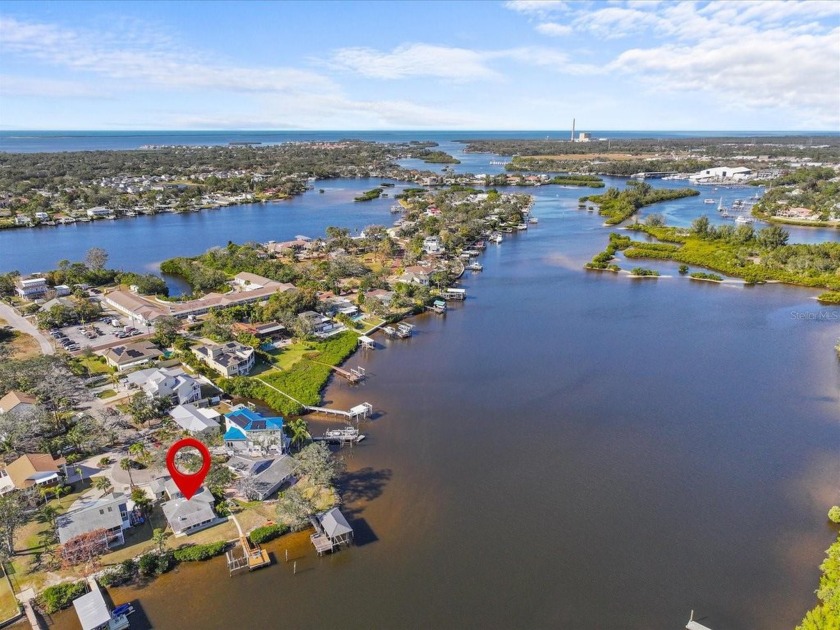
(249, 420)
(233, 434)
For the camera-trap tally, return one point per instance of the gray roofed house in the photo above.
(109, 512)
(196, 420)
(127, 356)
(188, 516)
(268, 474)
(336, 527)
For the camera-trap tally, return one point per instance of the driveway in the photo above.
(23, 325)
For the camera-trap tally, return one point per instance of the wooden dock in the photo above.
(253, 557)
(353, 375)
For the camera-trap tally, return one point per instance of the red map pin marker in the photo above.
(188, 484)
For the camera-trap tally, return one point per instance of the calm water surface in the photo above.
(564, 450)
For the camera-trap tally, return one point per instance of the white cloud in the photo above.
(143, 59)
(54, 88)
(415, 60)
(771, 69)
(536, 7)
(553, 29)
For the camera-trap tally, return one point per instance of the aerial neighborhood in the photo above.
(129, 369)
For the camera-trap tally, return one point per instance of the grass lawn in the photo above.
(8, 602)
(291, 354)
(108, 393)
(96, 365)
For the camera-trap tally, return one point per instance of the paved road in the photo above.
(21, 324)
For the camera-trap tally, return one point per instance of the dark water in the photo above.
(569, 450)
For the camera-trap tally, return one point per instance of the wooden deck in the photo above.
(322, 543)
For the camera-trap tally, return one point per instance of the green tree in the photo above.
(126, 465)
(159, 537)
(141, 500)
(298, 432)
(102, 483)
(12, 506)
(316, 463)
(772, 237)
(166, 330)
(293, 509)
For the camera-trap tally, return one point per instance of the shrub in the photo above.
(702, 275)
(641, 271)
(54, 598)
(269, 532)
(199, 552)
(683, 269)
(154, 564)
(119, 574)
(834, 514)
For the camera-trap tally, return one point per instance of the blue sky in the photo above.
(413, 65)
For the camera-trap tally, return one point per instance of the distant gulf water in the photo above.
(50, 141)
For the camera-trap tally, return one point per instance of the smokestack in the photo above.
(573, 130)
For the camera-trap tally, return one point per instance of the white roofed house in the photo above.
(229, 359)
(172, 383)
(320, 325)
(31, 288)
(196, 420)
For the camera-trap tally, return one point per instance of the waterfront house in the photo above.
(267, 330)
(268, 475)
(132, 355)
(415, 275)
(185, 516)
(32, 469)
(31, 288)
(109, 512)
(171, 383)
(195, 420)
(98, 212)
(249, 431)
(319, 325)
(16, 402)
(432, 245)
(381, 295)
(229, 359)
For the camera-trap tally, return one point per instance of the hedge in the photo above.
(54, 598)
(199, 552)
(269, 532)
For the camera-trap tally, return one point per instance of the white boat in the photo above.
(496, 238)
(533, 220)
(709, 201)
(474, 266)
(347, 433)
(721, 207)
(522, 226)
(744, 220)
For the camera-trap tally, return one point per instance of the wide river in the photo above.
(564, 450)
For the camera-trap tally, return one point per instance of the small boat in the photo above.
(496, 238)
(721, 206)
(533, 220)
(124, 609)
(475, 266)
(396, 208)
(709, 201)
(744, 220)
(522, 226)
(345, 434)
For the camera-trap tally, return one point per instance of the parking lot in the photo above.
(95, 335)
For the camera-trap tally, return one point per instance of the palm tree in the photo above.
(60, 491)
(78, 470)
(49, 514)
(102, 483)
(140, 453)
(298, 432)
(125, 464)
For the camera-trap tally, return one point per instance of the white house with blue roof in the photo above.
(249, 431)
